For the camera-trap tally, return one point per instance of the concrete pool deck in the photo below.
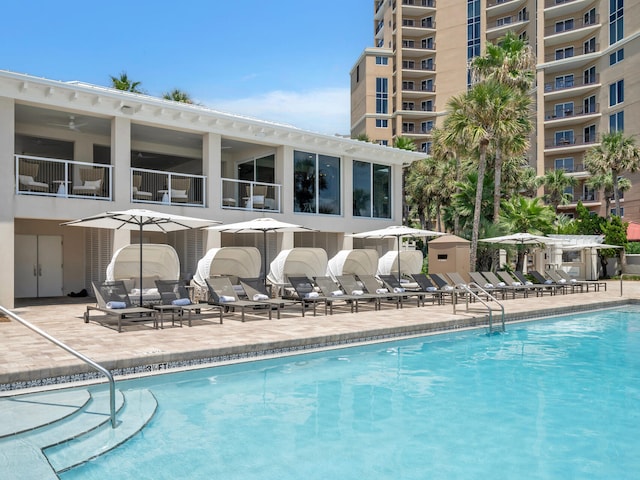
(28, 360)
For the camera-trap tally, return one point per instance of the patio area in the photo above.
(27, 360)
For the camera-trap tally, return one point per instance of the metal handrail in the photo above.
(622, 276)
(100, 368)
(466, 287)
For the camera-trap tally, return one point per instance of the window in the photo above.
(566, 52)
(589, 104)
(503, 21)
(616, 121)
(564, 81)
(590, 17)
(371, 190)
(382, 123)
(408, 85)
(616, 24)
(408, 64)
(382, 95)
(408, 106)
(613, 211)
(590, 134)
(427, 106)
(588, 194)
(564, 137)
(590, 76)
(427, 22)
(382, 60)
(427, 126)
(426, 147)
(380, 43)
(427, 85)
(408, 127)
(565, 164)
(563, 110)
(590, 45)
(260, 169)
(383, 142)
(616, 57)
(317, 182)
(564, 25)
(427, 64)
(428, 43)
(616, 93)
(473, 29)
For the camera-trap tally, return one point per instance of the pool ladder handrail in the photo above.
(87, 360)
(622, 275)
(467, 288)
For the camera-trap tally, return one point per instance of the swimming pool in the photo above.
(557, 398)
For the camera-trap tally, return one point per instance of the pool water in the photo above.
(551, 399)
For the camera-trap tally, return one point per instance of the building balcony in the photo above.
(411, 49)
(415, 28)
(569, 116)
(254, 196)
(499, 27)
(53, 177)
(416, 7)
(568, 87)
(570, 143)
(571, 57)
(501, 7)
(568, 31)
(589, 200)
(564, 6)
(168, 188)
(410, 70)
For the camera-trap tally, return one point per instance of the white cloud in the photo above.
(323, 111)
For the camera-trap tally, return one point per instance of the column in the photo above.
(7, 193)
(121, 161)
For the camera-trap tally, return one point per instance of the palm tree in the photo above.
(510, 62)
(178, 95)
(616, 154)
(604, 183)
(521, 214)
(405, 143)
(555, 184)
(124, 83)
(478, 118)
(363, 137)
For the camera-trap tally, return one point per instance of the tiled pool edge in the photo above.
(212, 357)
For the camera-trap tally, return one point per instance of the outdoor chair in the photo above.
(136, 191)
(350, 285)
(222, 293)
(91, 182)
(426, 285)
(306, 293)
(255, 290)
(180, 189)
(458, 282)
(529, 286)
(27, 173)
(175, 299)
(513, 289)
(549, 284)
(541, 287)
(553, 275)
(373, 286)
(392, 283)
(588, 283)
(490, 288)
(113, 300)
(335, 294)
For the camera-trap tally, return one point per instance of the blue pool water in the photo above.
(553, 399)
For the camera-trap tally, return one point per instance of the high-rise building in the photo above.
(585, 80)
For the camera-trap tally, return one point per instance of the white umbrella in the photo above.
(520, 239)
(140, 219)
(261, 225)
(397, 232)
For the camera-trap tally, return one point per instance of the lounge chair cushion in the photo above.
(116, 305)
(26, 179)
(92, 184)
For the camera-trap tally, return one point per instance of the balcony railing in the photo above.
(565, 54)
(565, 83)
(569, 26)
(245, 195)
(578, 140)
(506, 21)
(579, 167)
(171, 188)
(420, 3)
(62, 178)
(559, 113)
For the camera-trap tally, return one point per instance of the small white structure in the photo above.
(410, 262)
(361, 261)
(236, 261)
(311, 262)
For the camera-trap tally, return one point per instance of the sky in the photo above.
(284, 61)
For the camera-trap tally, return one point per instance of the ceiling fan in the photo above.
(71, 124)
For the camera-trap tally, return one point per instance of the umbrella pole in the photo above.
(399, 274)
(140, 241)
(264, 258)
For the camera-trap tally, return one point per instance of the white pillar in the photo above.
(212, 169)
(121, 161)
(7, 192)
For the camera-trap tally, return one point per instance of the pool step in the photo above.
(138, 409)
(65, 429)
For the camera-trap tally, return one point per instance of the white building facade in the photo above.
(69, 150)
